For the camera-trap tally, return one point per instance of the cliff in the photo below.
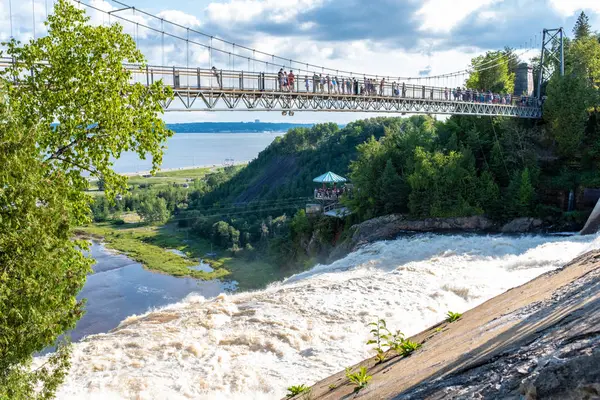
(536, 341)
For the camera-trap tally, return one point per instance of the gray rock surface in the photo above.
(389, 226)
(522, 225)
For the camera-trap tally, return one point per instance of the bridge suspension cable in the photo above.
(273, 57)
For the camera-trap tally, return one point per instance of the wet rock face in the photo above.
(557, 357)
(522, 225)
(389, 226)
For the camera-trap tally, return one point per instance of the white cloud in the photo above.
(247, 10)
(571, 7)
(179, 17)
(443, 15)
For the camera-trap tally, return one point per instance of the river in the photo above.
(119, 288)
(201, 149)
(253, 345)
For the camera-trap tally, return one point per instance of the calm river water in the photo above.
(198, 149)
(120, 287)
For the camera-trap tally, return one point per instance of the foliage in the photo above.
(408, 346)
(83, 86)
(582, 28)
(492, 71)
(380, 333)
(296, 390)
(384, 338)
(453, 316)
(566, 111)
(100, 114)
(393, 195)
(443, 185)
(360, 379)
(153, 209)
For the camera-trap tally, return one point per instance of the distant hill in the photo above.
(287, 167)
(234, 127)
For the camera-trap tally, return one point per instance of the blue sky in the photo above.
(386, 37)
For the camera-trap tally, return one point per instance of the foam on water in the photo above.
(254, 345)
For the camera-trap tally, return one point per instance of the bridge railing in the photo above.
(181, 78)
(204, 79)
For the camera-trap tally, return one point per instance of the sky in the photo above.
(384, 37)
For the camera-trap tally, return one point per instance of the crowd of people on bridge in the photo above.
(485, 96)
(320, 83)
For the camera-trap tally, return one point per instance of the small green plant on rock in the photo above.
(385, 340)
(380, 336)
(296, 390)
(332, 386)
(453, 316)
(360, 379)
(395, 341)
(408, 346)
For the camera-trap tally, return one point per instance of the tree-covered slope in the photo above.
(287, 167)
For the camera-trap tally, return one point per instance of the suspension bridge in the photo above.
(256, 85)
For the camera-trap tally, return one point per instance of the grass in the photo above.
(161, 179)
(191, 173)
(149, 246)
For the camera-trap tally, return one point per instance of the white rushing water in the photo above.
(254, 345)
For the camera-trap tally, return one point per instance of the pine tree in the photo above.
(582, 27)
(393, 190)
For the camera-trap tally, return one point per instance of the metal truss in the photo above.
(552, 56)
(234, 100)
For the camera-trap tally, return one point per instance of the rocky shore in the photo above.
(540, 340)
(390, 226)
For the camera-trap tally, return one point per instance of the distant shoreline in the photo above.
(235, 127)
(142, 173)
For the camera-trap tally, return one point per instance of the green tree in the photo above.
(492, 72)
(443, 185)
(585, 53)
(73, 76)
(582, 27)
(566, 110)
(521, 194)
(393, 191)
(154, 210)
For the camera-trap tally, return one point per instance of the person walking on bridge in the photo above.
(291, 79)
(280, 79)
(218, 76)
(381, 85)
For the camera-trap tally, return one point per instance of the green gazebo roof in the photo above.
(329, 177)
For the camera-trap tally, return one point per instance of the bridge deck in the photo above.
(198, 89)
(207, 90)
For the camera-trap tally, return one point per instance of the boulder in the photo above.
(522, 225)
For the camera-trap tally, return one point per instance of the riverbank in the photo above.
(183, 171)
(153, 247)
